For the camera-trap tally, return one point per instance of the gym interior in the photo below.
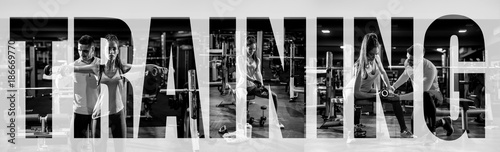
(170, 46)
(285, 79)
(437, 50)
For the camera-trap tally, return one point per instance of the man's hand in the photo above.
(391, 89)
(65, 70)
(392, 97)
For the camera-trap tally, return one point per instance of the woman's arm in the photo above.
(357, 85)
(258, 74)
(250, 78)
(382, 71)
(126, 68)
(96, 112)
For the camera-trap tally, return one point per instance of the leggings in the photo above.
(117, 125)
(398, 111)
(82, 124)
(263, 93)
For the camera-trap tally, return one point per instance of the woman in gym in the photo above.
(367, 69)
(110, 74)
(255, 84)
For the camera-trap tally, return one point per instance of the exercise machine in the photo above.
(332, 103)
(155, 77)
(191, 115)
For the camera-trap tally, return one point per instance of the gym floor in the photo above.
(476, 129)
(290, 114)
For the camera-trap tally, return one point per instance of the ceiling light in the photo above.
(441, 50)
(325, 31)
(462, 31)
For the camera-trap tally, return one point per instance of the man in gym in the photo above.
(432, 95)
(86, 89)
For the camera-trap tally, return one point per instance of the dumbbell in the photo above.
(251, 120)
(263, 118)
(384, 93)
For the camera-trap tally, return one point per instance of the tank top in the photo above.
(368, 80)
(251, 71)
(115, 90)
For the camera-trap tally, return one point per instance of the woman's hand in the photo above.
(257, 83)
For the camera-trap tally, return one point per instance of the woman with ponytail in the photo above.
(369, 68)
(255, 83)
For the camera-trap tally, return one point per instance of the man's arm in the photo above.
(402, 79)
(430, 74)
(408, 96)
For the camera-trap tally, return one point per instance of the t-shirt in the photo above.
(86, 89)
(430, 71)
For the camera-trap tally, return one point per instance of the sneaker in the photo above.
(480, 118)
(448, 126)
(281, 126)
(359, 133)
(406, 134)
